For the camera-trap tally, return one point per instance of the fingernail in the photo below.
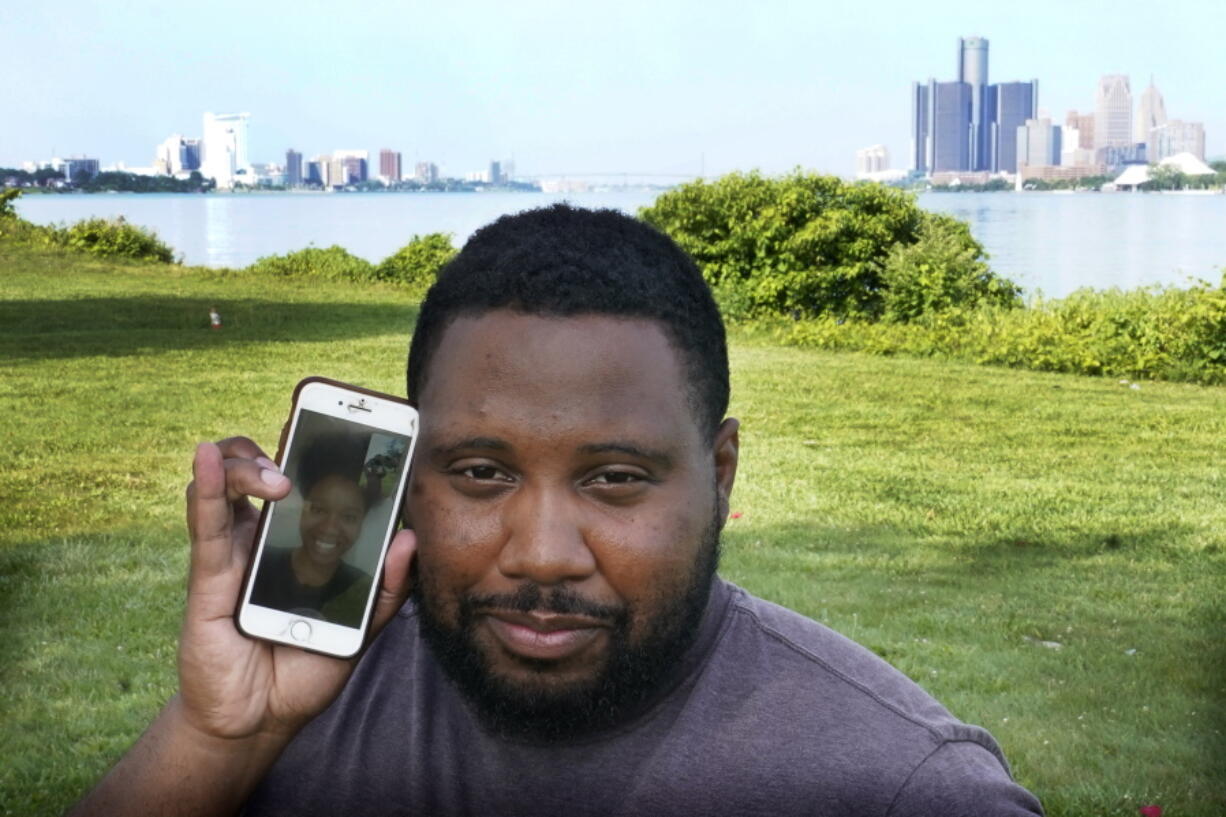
(272, 479)
(264, 462)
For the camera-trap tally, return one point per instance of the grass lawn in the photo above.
(1045, 553)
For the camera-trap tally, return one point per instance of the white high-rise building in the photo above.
(872, 159)
(1072, 154)
(1151, 113)
(171, 156)
(1176, 136)
(1039, 143)
(1113, 113)
(224, 147)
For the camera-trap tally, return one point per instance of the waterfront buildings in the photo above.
(389, 166)
(75, 168)
(1113, 113)
(1151, 113)
(1174, 137)
(224, 148)
(872, 159)
(1136, 175)
(969, 124)
(1050, 173)
(1014, 103)
(293, 168)
(177, 156)
(1083, 123)
(1072, 152)
(316, 171)
(945, 138)
(973, 71)
(353, 168)
(426, 172)
(1038, 143)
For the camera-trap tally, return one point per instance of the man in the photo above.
(568, 648)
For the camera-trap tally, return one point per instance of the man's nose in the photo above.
(545, 539)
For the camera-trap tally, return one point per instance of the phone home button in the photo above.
(300, 631)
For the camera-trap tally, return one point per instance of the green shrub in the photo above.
(15, 228)
(1150, 333)
(808, 245)
(330, 263)
(943, 269)
(109, 238)
(416, 264)
(115, 239)
(7, 198)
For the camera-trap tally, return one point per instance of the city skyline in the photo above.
(682, 90)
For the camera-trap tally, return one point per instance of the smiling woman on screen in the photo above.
(313, 579)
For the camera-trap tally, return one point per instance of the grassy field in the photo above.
(1045, 553)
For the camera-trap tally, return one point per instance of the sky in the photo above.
(668, 88)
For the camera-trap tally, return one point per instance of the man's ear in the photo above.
(726, 451)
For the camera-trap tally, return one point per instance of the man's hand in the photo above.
(232, 686)
(240, 700)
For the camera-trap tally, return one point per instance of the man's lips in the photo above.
(545, 636)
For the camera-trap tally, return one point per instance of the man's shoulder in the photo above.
(818, 674)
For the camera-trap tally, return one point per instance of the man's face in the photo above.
(567, 508)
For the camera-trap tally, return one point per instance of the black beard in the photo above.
(634, 671)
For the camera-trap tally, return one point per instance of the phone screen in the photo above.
(324, 539)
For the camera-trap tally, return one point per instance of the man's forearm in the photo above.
(174, 769)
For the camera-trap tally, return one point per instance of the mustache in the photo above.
(531, 598)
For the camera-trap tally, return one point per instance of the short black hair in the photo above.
(564, 261)
(335, 453)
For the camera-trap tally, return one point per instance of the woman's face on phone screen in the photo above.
(331, 518)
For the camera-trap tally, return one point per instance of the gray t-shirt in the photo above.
(768, 713)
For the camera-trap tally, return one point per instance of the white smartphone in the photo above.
(318, 555)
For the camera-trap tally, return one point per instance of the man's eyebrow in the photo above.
(469, 443)
(659, 457)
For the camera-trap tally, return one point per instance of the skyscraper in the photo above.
(872, 159)
(973, 70)
(389, 165)
(191, 154)
(949, 117)
(224, 148)
(969, 124)
(169, 157)
(293, 168)
(919, 127)
(355, 167)
(1151, 112)
(1083, 123)
(1176, 136)
(1013, 104)
(426, 172)
(1038, 143)
(1113, 113)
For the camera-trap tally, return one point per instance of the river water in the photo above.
(1047, 242)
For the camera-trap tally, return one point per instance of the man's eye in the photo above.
(615, 478)
(481, 472)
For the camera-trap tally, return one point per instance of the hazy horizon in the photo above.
(690, 87)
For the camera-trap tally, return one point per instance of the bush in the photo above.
(1150, 333)
(115, 239)
(416, 264)
(943, 269)
(330, 263)
(808, 245)
(7, 198)
(109, 238)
